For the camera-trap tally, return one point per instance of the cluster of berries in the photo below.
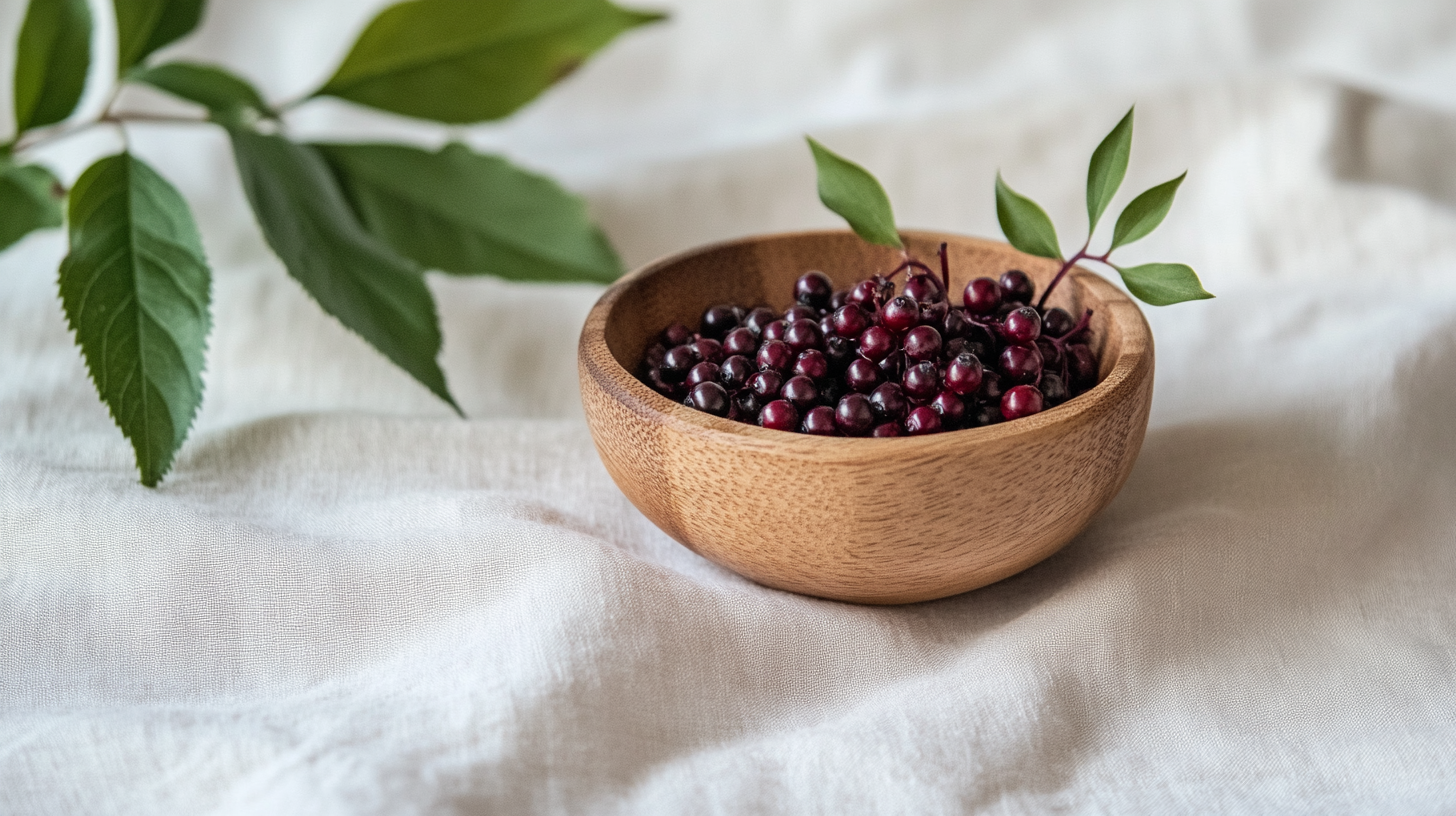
(867, 361)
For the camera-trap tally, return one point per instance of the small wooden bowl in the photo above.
(880, 521)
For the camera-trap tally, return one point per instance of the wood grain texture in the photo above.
(880, 521)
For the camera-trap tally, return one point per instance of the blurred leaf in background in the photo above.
(356, 225)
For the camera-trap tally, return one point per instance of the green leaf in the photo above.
(1163, 284)
(143, 26)
(28, 201)
(468, 214)
(228, 97)
(351, 274)
(1025, 224)
(850, 190)
(1144, 213)
(136, 290)
(462, 61)
(1107, 168)
(51, 60)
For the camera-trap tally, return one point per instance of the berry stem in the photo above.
(944, 271)
(1067, 265)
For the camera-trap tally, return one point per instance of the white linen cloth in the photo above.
(345, 600)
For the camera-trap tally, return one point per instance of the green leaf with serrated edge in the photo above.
(1144, 213)
(1025, 224)
(143, 26)
(855, 194)
(373, 291)
(467, 213)
(225, 95)
(28, 201)
(1107, 169)
(1163, 284)
(136, 290)
(51, 60)
(461, 61)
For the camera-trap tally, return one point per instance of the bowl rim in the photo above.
(597, 360)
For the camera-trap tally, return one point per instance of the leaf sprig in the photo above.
(356, 224)
(853, 193)
(1028, 228)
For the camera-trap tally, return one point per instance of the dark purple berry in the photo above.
(1053, 390)
(1020, 364)
(900, 314)
(933, 314)
(826, 326)
(797, 313)
(740, 341)
(1056, 322)
(1082, 366)
(1051, 353)
(982, 296)
(838, 299)
(1016, 286)
(954, 325)
(1022, 325)
(952, 409)
(676, 335)
(654, 355)
(660, 384)
(888, 402)
(820, 421)
(922, 343)
(923, 289)
(991, 389)
(963, 375)
(775, 355)
(779, 415)
(801, 391)
(988, 414)
(839, 351)
(1021, 401)
(922, 381)
(876, 342)
(812, 364)
(718, 321)
(735, 371)
(887, 429)
(709, 397)
(709, 350)
(892, 368)
(773, 330)
(803, 335)
(922, 420)
(865, 294)
(831, 390)
(766, 384)
(758, 318)
(850, 321)
(677, 363)
(703, 372)
(854, 415)
(862, 375)
(813, 289)
(744, 406)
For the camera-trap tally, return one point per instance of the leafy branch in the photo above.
(853, 193)
(356, 225)
(1028, 228)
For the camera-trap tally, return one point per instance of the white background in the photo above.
(345, 600)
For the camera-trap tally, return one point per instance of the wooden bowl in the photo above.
(880, 521)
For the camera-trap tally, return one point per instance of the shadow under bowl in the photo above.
(879, 521)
